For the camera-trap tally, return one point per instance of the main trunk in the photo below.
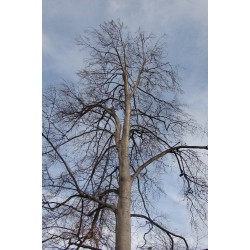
(123, 221)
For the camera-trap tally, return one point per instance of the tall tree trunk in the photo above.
(123, 220)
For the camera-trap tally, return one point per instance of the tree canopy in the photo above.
(108, 142)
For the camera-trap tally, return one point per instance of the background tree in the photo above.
(109, 140)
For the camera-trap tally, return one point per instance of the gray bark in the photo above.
(123, 220)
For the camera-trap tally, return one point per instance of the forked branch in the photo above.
(82, 194)
(156, 157)
(170, 234)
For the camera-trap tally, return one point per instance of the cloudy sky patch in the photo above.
(184, 22)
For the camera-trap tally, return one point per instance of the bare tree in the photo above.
(108, 140)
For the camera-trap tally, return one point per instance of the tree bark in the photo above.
(123, 220)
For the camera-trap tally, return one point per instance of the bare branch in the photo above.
(170, 234)
(84, 195)
(156, 157)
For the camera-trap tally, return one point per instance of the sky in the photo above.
(185, 22)
(20, 103)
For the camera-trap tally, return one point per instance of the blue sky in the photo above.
(184, 22)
